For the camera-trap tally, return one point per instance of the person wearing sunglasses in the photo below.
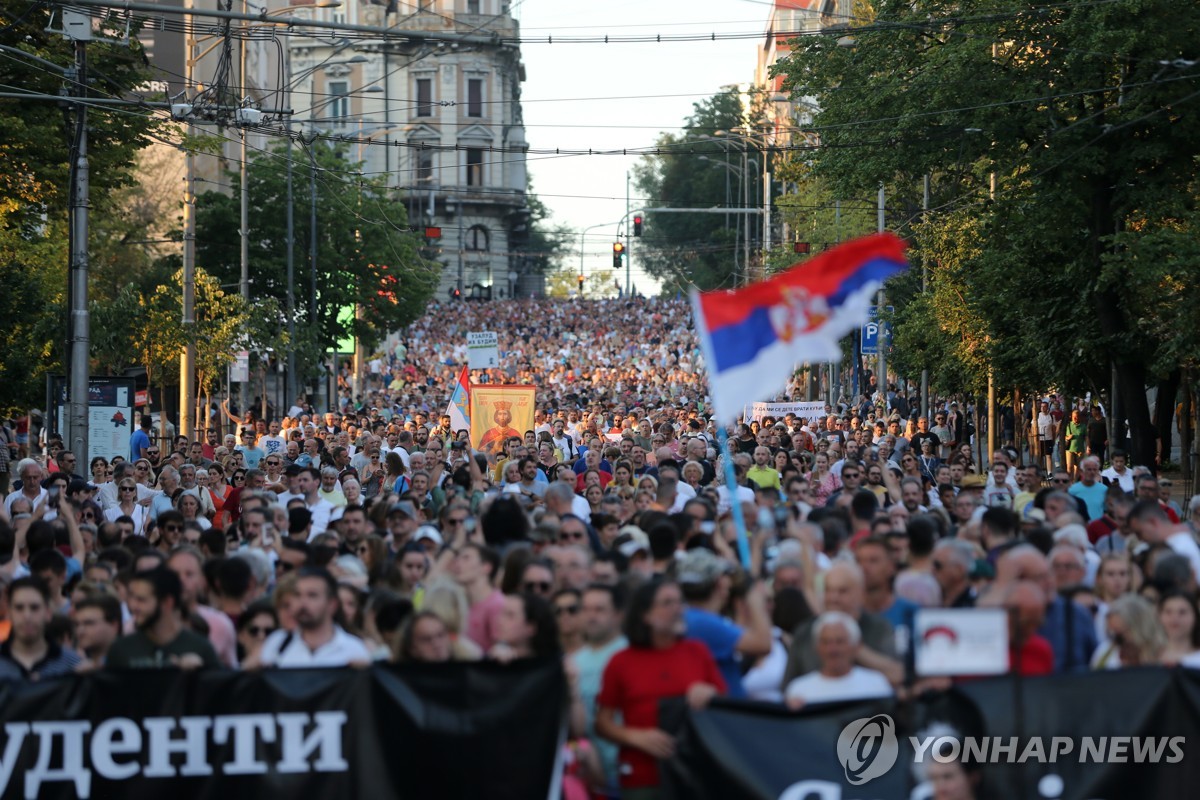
(128, 506)
(567, 604)
(256, 623)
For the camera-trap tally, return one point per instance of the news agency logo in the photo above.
(868, 748)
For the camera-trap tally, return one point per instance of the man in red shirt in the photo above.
(658, 663)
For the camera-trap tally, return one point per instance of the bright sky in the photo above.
(582, 191)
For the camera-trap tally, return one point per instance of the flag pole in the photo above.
(739, 519)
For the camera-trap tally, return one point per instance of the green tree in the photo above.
(36, 140)
(1076, 113)
(366, 255)
(696, 170)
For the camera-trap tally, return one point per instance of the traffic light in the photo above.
(456, 293)
(618, 251)
(637, 224)
(580, 279)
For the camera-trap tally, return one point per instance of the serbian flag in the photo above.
(752, 338)
(459, 409)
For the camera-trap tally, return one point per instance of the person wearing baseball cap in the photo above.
(706, 580)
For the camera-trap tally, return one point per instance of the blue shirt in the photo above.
(137, 442)
(591, 663)
(720, 636)
(251, 455)
(901, 613)
(1072, 649)
(1093, 496)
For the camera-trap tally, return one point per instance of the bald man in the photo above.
(845, 591)
(1068, 626)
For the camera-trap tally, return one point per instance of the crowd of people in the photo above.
(603, 536)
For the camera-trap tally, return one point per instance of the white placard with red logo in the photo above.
(961, 641)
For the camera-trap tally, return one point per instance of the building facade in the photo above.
(437, 114)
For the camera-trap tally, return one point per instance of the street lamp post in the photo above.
(764, 148)
(583, 234)
(291, 230)
(742, 174)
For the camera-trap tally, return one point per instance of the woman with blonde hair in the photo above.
(1136, 638)
(448, 601)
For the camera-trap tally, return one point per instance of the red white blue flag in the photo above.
(459, 409)
(754, 337)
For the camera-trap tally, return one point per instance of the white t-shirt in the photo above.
(321, 511)
(287, 649)
(858, 684)
(1125, 481)
(272, 445)
(1184, 543)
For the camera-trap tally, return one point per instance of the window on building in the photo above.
(475, 97)
(424, 166)
(473, 6)
(478, 239)
(424, 97)
(474, 166)
(339, 103)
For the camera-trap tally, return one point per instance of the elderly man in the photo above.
(837, 640)
(31, 473)
(845, 591)
(1068, 627)
(1090, 489)
(952, 562)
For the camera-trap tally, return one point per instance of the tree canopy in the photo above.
(36, 142)
(366, 255)
(1063, 164)
(698, 169)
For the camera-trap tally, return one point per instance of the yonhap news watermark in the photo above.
(868, 748)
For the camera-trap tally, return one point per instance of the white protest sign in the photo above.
(961, 641)
(483, 350)
(804, 410)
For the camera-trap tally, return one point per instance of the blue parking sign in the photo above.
(870, 332)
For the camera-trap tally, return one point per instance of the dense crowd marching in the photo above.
(603, 536)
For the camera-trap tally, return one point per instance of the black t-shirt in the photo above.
(918, 437)
(136, 651)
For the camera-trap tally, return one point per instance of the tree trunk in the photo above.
(1185, 432)
(1114, 325)
(1164, 413)
(163, 445)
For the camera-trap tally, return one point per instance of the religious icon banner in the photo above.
(498, 412)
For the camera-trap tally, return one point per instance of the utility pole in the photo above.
(991, 386)
(924, 289)
(766, 229)
(291, 277)
(745, 219)
(881, 339)
(77, 418)
(187, 360)
(628, 239)
(244, 223)
(312, 245)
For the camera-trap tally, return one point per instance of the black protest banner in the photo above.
(1098, 736)
(418, 731)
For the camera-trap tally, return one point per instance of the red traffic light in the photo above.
(637, 225)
